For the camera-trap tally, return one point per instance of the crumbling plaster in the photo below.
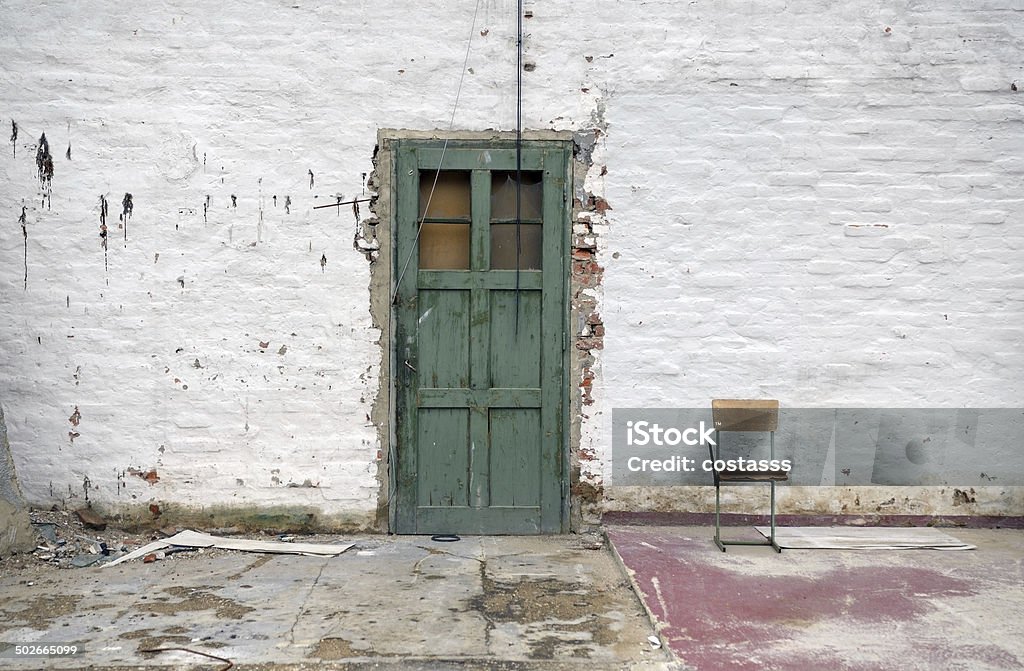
(16, 533)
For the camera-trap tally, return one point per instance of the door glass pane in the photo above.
(450, 197)
(503, 246)
(444, 247)
(503, 195)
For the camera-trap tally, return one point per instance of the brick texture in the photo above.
(817, 202)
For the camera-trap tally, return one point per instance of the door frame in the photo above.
(387, 186)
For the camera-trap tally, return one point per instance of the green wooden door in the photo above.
(479, 346)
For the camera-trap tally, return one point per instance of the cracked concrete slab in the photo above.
(857, 610)
(491, 602)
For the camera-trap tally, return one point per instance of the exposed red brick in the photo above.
(149, 476)
(586, 241)
(585, 386)
(588, 491)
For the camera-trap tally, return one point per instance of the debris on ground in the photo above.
(69, 539)
(194, 539)
(91, 519)
(63, 540)
(590, 540)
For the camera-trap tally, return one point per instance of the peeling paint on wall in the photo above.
(44, 165)
(23, 220)
(127, 207)
(586, 277)
(260, 205)
(75, 417)
(103, 234)
(741, 165)
(149, 476)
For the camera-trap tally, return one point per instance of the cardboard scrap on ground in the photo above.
(863, 538)
(194, 539)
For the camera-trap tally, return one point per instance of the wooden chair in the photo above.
(740, 415)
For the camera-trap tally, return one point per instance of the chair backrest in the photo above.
(731, 414)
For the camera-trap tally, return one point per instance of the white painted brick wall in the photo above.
(853, 200)
(837, 221)
(805, 206)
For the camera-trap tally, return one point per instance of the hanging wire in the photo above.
(340, 203)
(444, 148)
(392, 456)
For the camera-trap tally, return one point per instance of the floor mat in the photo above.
(864, 538)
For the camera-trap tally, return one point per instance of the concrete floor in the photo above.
(751, 608)
(405, 602)
(547, 604)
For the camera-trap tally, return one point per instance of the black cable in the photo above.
(519, 147)
(339, 204)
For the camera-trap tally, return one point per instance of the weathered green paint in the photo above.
(492, 279)
(480, 393)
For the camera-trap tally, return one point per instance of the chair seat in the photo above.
(753, 476)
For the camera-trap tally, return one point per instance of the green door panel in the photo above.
(480, 392)
(515, 356)
(510, 429)
(443, 334)
(443, 446)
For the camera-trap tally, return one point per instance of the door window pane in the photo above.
(503, 195)
(450, 197)
(503, 246)
(444, 247)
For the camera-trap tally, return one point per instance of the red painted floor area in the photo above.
(750, 608)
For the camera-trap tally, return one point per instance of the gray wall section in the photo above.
(906, 447)
(16, 533)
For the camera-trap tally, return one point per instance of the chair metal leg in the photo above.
(718, 525)
(771, 538)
